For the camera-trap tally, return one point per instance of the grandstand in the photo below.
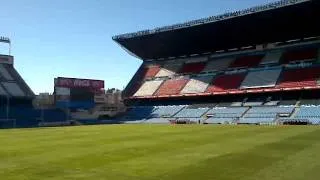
(16, 97)
(227, 70)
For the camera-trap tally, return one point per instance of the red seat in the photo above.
(193, 67)
(150, 72)
(306, 77)
(246, 61)
(299, 55)
(226, 83)
(171, 87)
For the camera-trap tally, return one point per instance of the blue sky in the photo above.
(72, 38)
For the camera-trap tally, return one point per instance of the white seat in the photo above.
(197, 85)
(148, 88)
(169, 70)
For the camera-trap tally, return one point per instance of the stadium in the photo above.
(242, 84)
(229, 69)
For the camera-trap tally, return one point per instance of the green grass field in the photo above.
(141, 152)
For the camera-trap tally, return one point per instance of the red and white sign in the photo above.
(79, 83)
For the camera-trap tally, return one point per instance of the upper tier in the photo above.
(11, 83)
(287, 68)
(275, 22)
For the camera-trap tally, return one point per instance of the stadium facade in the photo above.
(255, 66)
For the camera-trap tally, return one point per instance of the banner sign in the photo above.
(79, 83)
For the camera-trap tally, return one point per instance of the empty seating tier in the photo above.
(148, 88)
(169, 69)
(262, 78)
(172, 86)
(248, 120)
(193, 67)
(197, 85)
(142, 112)
(306, 112)
(156, 121)
(191, 112)
(300, 55)
(13, 89)
(246, 61)
(218, 64)
(306, 77)
(271, 57)
(2, 91)
(4, 73)
(310, 102)
(226, 82)
(312, 114)
(215, 120)
(270, 111)
(151, 71)
(227, 112)
(165, 111)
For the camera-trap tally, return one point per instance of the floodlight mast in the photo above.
(6, 40)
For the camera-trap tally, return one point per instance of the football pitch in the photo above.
(168, 152)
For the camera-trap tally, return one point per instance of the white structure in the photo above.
(197, 85)
(148, 88)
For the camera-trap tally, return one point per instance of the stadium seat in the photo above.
(197, 85)
(271, 57)
(148, 88)
(169, 69)
(141, 112)
(13, 88)
(246, 61)
(4, 73)
(288, 102)
(310, 113)
(253, 103)
(191, 112)
(165, 73)
(227, 112)
(247, 120)
(151, 71)
(261, 78)
(3, 91)
(300, 55)
(266, 110)
(156, 121)
(165, 111)
(217, 120)
(192, 120)
(226, 82)
(172, 86)
(193, 68)
(305, 77)
(217, 64)
(271, 103)
(309, 102)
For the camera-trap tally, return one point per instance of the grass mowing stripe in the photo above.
(152, 151)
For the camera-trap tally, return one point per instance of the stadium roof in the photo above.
(274, 22)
